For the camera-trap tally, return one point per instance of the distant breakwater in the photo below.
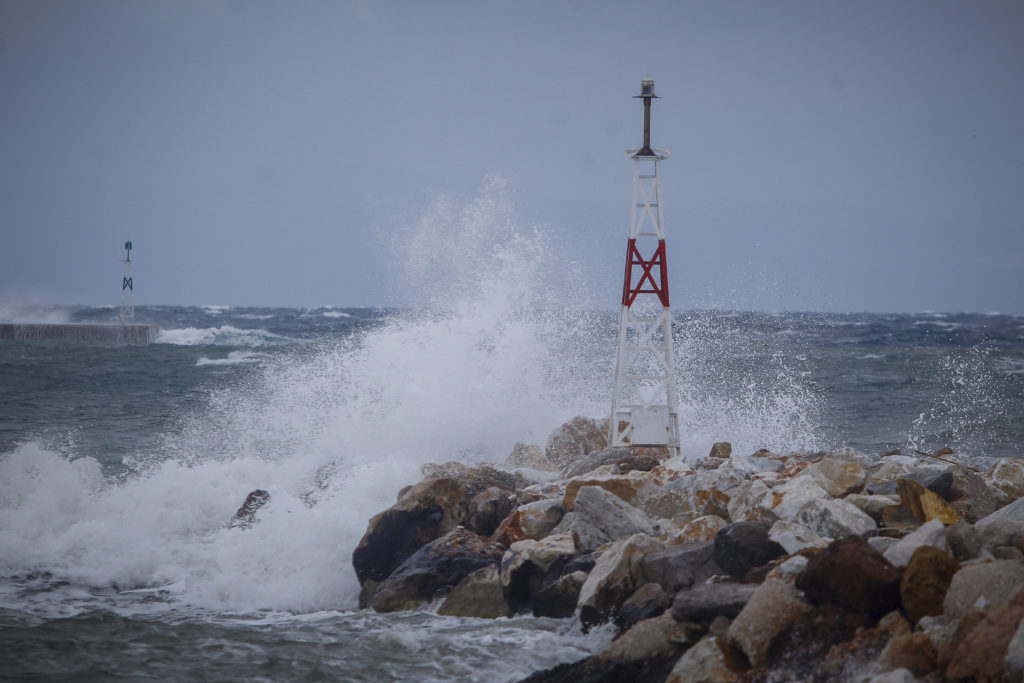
(72, 332)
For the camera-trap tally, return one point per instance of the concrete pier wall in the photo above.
(70, 332)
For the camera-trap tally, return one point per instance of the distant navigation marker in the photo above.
(127, 287)
(644, 411)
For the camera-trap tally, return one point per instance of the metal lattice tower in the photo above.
(127, 287)
(644, 409)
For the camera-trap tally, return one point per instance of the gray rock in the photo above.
(245, 517)
(614, 578)
(648, 601)
(525, 565)
(602, 517)
(576, 439)
(1014, 512)
(558, 599)
(964, 542)
(988, 585)
(774, 608)
(931, 533)
(478, 595)
(487, 509)
(1014, 663)
(679, 566)
(436, 567)
(431, 508)
(706, 601)
(591, 462)
(743, 546)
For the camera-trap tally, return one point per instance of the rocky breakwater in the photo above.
(738, 567)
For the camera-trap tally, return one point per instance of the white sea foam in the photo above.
(233, 358)
(336, 314)
(226, 335)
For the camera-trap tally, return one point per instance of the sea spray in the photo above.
(334, 428)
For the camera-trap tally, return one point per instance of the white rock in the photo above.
(794, 537)
(836, 477)
(744, 501)
(931, 533)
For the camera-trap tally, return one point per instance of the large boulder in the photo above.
(525, 564)
(971, 497)
(989, 585)
(982, 654)
(596, 459)
(434, 568)
(649, 600)
(794, 537)
(706, 601)
(925, 581)
(745, 502)
(743, 546)
(1006, 479)
(625, 487)
(558, 599)
(853, 575)
(531, 520)
(679, 566)
(772, 609)
(575, 439)
(614, 578)
(602, 517)
(931, 534)
(475, 478)
(1014, 512)
(712, 660)
(529, 457)
(431, 508)
(478, 595)
(838, 478)
(487, 509)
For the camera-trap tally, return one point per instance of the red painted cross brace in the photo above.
(633, 258)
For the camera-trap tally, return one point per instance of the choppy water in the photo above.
(120, 466)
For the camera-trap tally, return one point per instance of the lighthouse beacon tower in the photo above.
(644, 409)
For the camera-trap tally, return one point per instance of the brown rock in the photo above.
(532, 520)
(981, 656)
(773, 608)
(925, 505)
(487, 509)
(722, 449)
(852, 574)
(614, 578)
(431, 508)
(851, 660)
(801, 647)
(925, 582)
(529, 457)
(624, 486)
(576, 438)
(971, 496)
(914, 652)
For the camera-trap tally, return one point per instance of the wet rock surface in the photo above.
(736, 566)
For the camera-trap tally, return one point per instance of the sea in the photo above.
(121, 466)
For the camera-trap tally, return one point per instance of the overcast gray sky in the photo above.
(855, 156)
